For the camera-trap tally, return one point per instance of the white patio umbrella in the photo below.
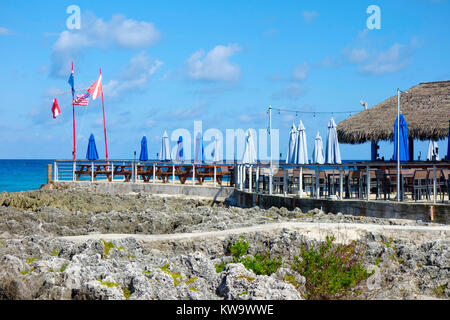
(432, 151)
(249, 155)
(291, 158)
(199, 148)
(332, 153)
(317, 156)
(215, 154)
(164, 155)
(302, 149)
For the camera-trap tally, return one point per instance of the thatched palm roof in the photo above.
(426, 108)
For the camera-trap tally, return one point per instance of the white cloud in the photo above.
(291, 92)
(301, 72)
(394, 59)
(215, 65)
(355, 55)
(4, 31)
(138, 73)
(119, 32)
(309, 16)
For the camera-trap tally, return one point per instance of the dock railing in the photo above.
(360, 180)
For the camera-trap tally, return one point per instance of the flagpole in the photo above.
(104, 122)
(73, 116)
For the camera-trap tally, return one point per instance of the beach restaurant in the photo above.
(420, 113)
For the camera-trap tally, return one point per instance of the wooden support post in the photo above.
(215, 175)
(49, 173)
(92, 171)
(341, 183)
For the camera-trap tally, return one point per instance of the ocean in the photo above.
(22, 175)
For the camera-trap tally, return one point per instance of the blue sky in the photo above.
(168, 63)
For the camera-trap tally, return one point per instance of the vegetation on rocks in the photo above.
(331, 272)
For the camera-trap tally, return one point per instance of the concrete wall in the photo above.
(380, 209)
(391, 209)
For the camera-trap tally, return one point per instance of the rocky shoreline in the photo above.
(38, 261)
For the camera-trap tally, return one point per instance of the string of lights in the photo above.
(297, 112)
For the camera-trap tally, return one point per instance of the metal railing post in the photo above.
(285, 183)
(341, 183)
(434, 183)
(368, 182)
(300, 182)
(257, 179)
(250, 178)
(154, 173)
(215, 175)
(112, 171)
(193, 174)
(173, 174)
(317, 182)
(92, 171)
(55, 173)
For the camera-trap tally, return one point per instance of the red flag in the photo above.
(96, 89)
(55, 109)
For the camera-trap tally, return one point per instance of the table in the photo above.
(86, 169)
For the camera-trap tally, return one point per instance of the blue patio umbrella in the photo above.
(91, 153)
(180, 153)
(144, 152)
(404, 154)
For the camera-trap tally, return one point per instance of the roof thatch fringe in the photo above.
(426, 108)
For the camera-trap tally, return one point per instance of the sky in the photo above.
(166, 64)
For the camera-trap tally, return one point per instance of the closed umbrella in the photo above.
(317, 156)
(302, 150)
(180, 153)
(332, 152)
(144, 152)
(291, 158)
(433, 153)
(92, 153)
(249, 155)
(404, 154)
(199, 151)
(165, 148)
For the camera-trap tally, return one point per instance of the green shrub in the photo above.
(259, 264)
(262, 264)
(239, 248)
(332, 271)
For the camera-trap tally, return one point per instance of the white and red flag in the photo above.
(96, 89)
(55, 109)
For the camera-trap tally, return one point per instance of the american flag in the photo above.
(82, 99)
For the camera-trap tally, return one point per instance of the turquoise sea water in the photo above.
(22, 175)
